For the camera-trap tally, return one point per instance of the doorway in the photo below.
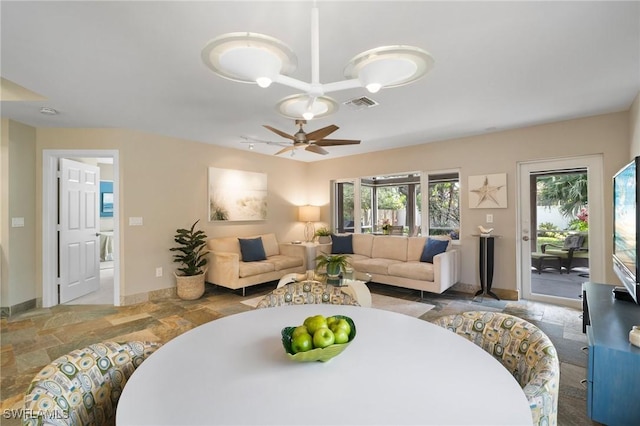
(109, 292)
(561, 228)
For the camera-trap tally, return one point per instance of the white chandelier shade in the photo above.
(296, 106)
(260, 59)
(246, 57)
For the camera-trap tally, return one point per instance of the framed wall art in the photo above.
(488, 191)
(236, 195)
(106, 198)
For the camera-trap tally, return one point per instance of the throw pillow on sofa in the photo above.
(341, 244)
(433, 247)
(252, 249)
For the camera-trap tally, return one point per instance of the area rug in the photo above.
(378, 301)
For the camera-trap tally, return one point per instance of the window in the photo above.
(345, 202)
(394, 204)
(444, 204)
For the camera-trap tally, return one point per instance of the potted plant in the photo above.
(192, 257)
(324, 235)
(334, 264)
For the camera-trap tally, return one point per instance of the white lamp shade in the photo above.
(251, 63)
(309, 213)
(245, 57)
(389, 66)
(296, 106)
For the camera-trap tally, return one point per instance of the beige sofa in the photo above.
(395, 260)
(227, 269)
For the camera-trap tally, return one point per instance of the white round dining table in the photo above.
(398, 370)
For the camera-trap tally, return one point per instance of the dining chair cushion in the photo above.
(522, 348)
(252, 249)
(83, 387)
(432, 248)
(306, 292)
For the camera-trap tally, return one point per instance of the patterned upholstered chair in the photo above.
(522, 348)
(83, 387)
(307, 292)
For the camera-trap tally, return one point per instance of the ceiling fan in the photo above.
(312, 142)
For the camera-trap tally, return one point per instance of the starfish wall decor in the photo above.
(488, 191)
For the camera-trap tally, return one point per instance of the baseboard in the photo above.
(7, 311)
(154, 295)
(503, 294)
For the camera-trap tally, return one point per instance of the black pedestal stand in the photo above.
(486, 265)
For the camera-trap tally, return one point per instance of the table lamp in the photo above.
(309, 214)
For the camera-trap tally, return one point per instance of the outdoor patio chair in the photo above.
(573, 253)
(397, 230)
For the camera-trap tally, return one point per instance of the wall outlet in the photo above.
(135, 221)
(489, 218)
(158, 272)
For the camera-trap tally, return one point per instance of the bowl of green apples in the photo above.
(318, 338)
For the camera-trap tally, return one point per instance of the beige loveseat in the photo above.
(395, 260)
(227, 269)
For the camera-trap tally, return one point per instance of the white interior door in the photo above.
(526, 229)
(79, 227)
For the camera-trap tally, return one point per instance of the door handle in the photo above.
(97, 234)
(525, 238)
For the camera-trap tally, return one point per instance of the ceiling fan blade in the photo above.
(316, 135)
(315, 148)
(279, 132)
(334, 142)
(283, 150)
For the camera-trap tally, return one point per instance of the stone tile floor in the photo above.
(32, 339)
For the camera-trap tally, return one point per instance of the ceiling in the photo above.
(498, 65)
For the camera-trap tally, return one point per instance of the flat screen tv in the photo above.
(626, 196)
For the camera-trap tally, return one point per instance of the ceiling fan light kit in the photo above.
(260, 59)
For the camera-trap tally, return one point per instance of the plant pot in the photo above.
(190, 287)
(324, 239)
(333, 271)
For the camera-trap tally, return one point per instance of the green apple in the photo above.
(301, 329)
(331, 320)
(341, 335)
(323, 337)
(341, 324)
(301, 343)
(315, 323)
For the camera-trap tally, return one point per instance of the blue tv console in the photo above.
(613, 371)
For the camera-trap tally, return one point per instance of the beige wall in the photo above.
(493, 153)
(634, 127)
(164, 181)
(18, 196)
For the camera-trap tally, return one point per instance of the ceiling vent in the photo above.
(362, 102)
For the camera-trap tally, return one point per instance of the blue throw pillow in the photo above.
(252, 249)
(341, 244)
(433, 247)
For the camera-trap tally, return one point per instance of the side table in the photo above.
(311, 249)
(486, 264)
